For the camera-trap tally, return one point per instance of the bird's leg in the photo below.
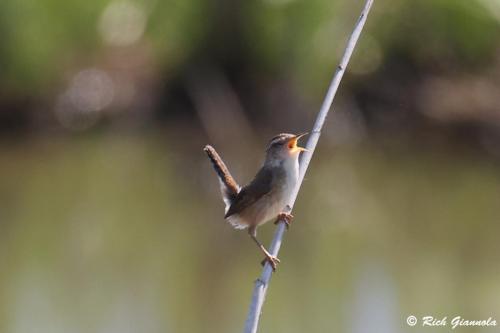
(285, 217)
(273, 261)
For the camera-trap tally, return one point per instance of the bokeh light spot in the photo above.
(122, 23)
(89, 92)
(368, 57)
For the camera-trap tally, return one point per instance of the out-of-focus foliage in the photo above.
(308, 36)
(41, 40)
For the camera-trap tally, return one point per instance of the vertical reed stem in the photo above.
(262, 283)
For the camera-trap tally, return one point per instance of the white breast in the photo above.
(275, 205)
(291, 166)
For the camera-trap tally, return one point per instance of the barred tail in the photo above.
(228, 185)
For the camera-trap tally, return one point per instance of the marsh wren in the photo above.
(267, 195)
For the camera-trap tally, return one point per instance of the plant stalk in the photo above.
(262, 283)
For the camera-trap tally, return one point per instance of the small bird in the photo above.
(267, 195)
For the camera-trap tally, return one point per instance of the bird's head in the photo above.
(284, 146)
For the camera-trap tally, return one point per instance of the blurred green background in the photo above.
(110, 215)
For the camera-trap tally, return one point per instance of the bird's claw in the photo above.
(285, 217)
(272, 260)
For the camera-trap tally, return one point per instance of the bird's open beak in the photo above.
(292, 144)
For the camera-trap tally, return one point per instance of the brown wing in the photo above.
(249, 194)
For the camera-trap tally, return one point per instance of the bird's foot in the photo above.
(285, 217)
(272, 260)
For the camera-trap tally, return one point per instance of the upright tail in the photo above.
(228, 186)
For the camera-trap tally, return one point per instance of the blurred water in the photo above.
(125, 234)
